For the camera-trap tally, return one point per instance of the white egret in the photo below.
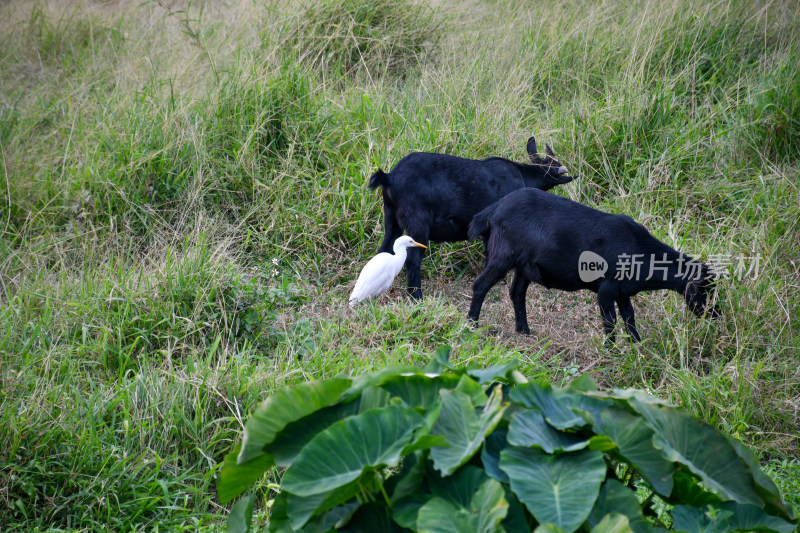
(378, 274)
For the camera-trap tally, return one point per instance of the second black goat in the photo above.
(561, 244)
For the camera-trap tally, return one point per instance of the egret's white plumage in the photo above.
(378, 274)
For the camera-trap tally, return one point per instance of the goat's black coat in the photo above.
(542, 237)
(433, 197)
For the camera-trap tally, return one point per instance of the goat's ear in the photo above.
(531, 147)
(549, 150)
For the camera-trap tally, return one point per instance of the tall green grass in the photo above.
(157, 158)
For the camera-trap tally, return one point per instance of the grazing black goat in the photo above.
(562, 244)
(434, 196)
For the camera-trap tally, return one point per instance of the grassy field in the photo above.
(184, 211)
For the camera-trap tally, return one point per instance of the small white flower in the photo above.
(275, 272)
(275, 261)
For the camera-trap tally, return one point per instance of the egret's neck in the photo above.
(400, 254)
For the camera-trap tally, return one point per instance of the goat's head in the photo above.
(701, 295)
(552, 167)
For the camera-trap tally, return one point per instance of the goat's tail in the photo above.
(380, 178)
(479, 227)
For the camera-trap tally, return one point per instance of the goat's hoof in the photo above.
(524, 331)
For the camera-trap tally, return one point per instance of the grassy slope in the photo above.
(156, 160)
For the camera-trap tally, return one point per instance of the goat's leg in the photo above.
(519, 287)
(606, 302)
(626, 312)
(391, 228)
(495, 271)
(414, 263)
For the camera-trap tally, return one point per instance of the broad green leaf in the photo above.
(493, 373)
(583, 383)
(459, 488)
(696, 520)
(490, 454)
(278, 515)
(241, 515)
(634, 438)
(301, 509)
(765, 487)
(528, 428)
(554, 405)
(615, 497)
(439, 361)
(373, 516)
(613, 523)
(373, 398)
(409, 480)
(549, 528)
(687, 490)
(464, 429)
(745, 517)
(291, 439)
(466, 501)
(234, 479)
(422, 390)
(557, 489)
(405, 510)
(515, 521)
(442, 516)
(342, 452)
(285, 406)
(702, 448)
(422, 438)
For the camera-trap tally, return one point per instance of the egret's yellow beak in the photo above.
(420, 245)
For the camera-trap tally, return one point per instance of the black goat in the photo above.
(562, 244)
(434, 196)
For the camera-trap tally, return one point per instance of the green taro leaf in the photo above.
(490, 454)
(293, 438)
(765, 487)
(439, 361)
(406, 510)
(422, 390)
(409, 480)
(702, 448)
(696, 520)
(464, 429)
(442, 516)
(548, 528)
(234, 479)
(528, 428)
(373, 516)
(556, 489)
(613, 523)
(634, 438)
(493, 373)
(687, 490)
(467, 501)
(745, 517)
(342, 452)
(285, 406)
(615, 497)
(241, 515)
(554, 405)
(300, 509)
